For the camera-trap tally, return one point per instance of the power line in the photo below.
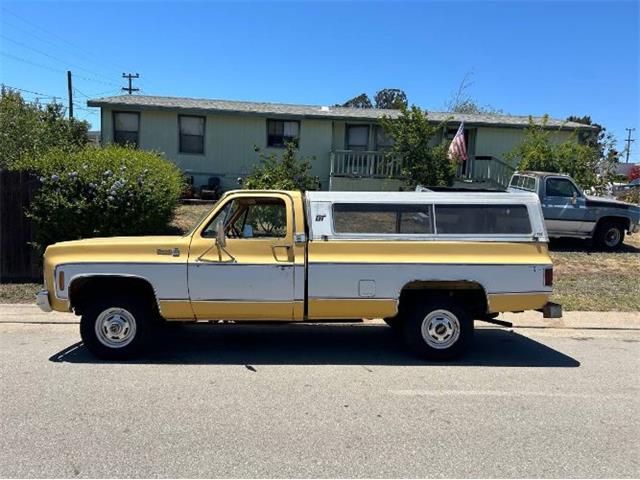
(40, 52)
(43, 95)
(53, 69)
(38, 27)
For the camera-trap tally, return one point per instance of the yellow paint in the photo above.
(243, 310)
(351, 308)
(393, 251)
(176, 310)
(517, 302)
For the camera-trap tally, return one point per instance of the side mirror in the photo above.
(221, 240)
(574, 198)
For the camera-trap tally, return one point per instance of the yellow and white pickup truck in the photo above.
(429, 263)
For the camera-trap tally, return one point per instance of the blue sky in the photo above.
(559, 58)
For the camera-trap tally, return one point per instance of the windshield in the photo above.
(188, 217)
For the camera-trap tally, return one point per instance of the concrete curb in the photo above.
(29, 313)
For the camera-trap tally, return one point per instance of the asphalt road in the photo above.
(320, 401)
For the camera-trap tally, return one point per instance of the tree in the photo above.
(462, 102)
(286, 173)
(537, 151)
(603, 142)
(30, 129)
(361, 101)
(424, 161)
(393, 98)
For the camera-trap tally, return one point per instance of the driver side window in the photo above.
(559, 187)
(246, 218)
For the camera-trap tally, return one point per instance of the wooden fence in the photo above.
(19, 261)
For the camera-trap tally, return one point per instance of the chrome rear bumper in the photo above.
(42, 300)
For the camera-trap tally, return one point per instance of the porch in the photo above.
(378, 170)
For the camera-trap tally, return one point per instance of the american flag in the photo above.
(457, 149)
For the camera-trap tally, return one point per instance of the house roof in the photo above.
(210, 106)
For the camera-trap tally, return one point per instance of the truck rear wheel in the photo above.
(438, 330)
(115, 328)
(609, 235)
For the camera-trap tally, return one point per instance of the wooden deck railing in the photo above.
(355, 163)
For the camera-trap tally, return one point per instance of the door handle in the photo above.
(287, 248)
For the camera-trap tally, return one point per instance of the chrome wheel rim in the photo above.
(115, 327)
(440, 329)
(612, 237)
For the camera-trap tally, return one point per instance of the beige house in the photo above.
(217, 138)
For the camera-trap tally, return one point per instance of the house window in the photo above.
(281, 132)
(384, 141)
(191, 134)
(358, 137)
(126, 128)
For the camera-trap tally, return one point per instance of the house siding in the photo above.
(230, 141)
(497, 142)
(229, 144)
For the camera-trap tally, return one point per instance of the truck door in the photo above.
(250, 274)
(565, 210)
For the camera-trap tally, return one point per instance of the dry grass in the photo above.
(19, 292)
(588, 279)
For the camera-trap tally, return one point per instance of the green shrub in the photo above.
(286, 173)
(99, 192)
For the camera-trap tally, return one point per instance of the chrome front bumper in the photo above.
(42, 300)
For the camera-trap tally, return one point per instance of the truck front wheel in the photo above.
(438, 330)
(115, 328)
(609, 235)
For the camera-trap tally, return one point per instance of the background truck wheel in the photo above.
(609, 235)
(438, 330)
(115, 328)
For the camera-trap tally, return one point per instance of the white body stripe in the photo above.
(223, 281)
(335, 280)
(169, 280)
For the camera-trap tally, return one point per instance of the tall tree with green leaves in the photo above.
(360, 101)
(424, 160)
(538, 151)
(29, 129)
(393, 98)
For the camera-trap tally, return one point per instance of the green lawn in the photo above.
(585, 279)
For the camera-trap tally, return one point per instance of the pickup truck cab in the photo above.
(568, 212)
(428, 263)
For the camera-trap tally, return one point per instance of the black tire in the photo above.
(124, 317)
(609, 235)
(451, 330)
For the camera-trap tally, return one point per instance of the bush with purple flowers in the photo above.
(100, 192)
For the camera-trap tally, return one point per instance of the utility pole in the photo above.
(629, 140)
(70, 89)
(130, 77)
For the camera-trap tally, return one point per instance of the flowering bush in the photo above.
(99, 192)
(634, 173)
